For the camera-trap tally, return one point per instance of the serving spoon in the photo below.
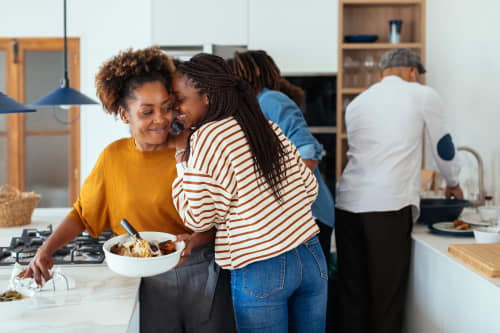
(132, 232)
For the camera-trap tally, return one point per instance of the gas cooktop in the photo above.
(84, 249)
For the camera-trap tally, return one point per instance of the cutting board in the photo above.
(482, 257)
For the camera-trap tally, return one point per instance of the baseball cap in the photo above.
(402, 58)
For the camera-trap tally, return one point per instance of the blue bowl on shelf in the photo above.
(360, 38)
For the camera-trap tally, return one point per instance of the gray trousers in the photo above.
(196, 297)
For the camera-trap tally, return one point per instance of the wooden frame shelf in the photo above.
(323, 129)
(360, 17)
(379, 46)
(381, 2)
(352, 91)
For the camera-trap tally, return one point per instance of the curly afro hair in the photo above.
(121, 75)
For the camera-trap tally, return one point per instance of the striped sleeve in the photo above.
(200, 200)
(200, 196)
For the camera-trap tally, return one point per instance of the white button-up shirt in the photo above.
(385, 127)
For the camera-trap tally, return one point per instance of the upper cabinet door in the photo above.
(301, 36)
(194, 22)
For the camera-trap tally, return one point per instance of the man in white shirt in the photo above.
(378, 194)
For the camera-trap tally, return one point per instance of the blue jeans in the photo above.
(286, 293)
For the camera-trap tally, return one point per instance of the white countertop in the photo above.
(102, 300)
(439, 244)
(445, 295)
(105, 302)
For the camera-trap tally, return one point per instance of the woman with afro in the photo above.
(132, 179)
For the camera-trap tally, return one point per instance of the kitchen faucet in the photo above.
(480, 200)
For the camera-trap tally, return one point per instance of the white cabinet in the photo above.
(300, 35)
(198, 22)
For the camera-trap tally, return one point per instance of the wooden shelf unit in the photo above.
(323, 129)
(381, 2)
(371, 17)
(379, 46)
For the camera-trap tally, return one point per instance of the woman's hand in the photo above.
(42, 262)
(194, 241)
(181, 140)
(186, 238)
(39, 267)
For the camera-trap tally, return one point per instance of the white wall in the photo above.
(104, 28)
(195, 22)
(463, 65)
(301, 36)
(463, 53)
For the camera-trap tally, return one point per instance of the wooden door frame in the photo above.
(15, 122)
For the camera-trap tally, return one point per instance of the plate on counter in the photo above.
(475, 220)
(447, 228)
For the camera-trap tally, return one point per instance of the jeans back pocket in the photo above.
(264, 278)
(316, 251)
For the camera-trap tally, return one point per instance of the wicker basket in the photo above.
(16, 207)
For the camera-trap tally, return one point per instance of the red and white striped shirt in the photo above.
(218, 187)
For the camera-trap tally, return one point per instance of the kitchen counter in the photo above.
(102, 301)
(445, 295)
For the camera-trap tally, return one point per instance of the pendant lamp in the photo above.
(64, 95)
(10, 105)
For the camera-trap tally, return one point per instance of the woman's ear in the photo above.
(123, 114)
(205, 99)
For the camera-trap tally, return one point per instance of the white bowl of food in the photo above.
(13, 302)
(132, 260)
(487, 235)
(489, 213)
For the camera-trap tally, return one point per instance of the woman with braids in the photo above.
(132, 179)
(237, 172)
(263, 75)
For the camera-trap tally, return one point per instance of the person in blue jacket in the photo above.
(263, 76)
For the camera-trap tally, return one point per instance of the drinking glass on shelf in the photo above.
(356, 73)
(351, 72)
(369, 65)
(348, 66)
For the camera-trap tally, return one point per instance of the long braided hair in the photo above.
(257, 68)
(260, 71)
(230, 96)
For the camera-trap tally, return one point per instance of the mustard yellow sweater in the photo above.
(132, 184)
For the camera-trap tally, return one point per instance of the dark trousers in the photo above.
(195, 297)
(325, 240)
(373, 252)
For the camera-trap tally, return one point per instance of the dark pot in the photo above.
(441, 210)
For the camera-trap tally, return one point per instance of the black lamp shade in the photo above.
(64, 96)
(9, 105)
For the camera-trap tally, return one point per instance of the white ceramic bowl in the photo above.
(16, 308)
(489, 213)
(487, 235)
(142, 267)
